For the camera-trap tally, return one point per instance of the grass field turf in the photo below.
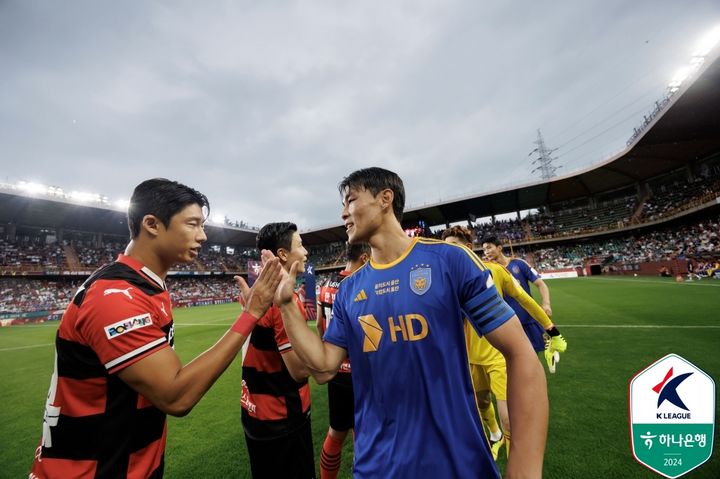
(614, 326)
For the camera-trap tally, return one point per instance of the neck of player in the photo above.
(389, 246)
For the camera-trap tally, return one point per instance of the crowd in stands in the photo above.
(91, 257)
(207, 287)
(671, 199)
(30, 256)
(21, 295)
(700, 241)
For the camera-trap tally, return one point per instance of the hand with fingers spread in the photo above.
(285, 291)
(258, 299)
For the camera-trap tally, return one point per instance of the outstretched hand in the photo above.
(286, 289)
(258, 299)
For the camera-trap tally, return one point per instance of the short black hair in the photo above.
(163, 199)
(493, 240)
(461, 232)
(353, 252)
(274, 236)
(375, 180)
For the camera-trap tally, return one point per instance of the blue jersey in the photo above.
(403, 327)
(524, 274)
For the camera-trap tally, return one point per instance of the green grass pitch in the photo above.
(614, 326)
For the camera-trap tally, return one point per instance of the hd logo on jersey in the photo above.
(420, 279)
(127, 325)
(672, 416)
(405, 328)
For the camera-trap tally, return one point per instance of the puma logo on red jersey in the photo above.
(125, 291)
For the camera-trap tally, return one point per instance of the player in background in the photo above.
(526, 274)
(340, 390)
(487, 365)
(400, 319)
(275, 396)
(116, 373)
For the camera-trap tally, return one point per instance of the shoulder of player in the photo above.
(453, 252)
(519, 261)
(116, 292)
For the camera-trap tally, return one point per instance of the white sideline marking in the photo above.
(16, 348)
(669, 282)
(640, 326)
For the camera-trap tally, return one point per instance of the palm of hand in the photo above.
(286, 288)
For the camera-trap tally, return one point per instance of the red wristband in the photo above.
(244, 324)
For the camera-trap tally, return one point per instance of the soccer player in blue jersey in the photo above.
(526, 274)
(400, 319)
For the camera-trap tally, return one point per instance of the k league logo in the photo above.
(672, 416)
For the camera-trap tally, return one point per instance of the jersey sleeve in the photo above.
(478, 296)
(336, 332)
(513, 290)
(120, 328)
(281, 337)
(529, 272)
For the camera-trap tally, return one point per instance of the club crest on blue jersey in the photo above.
(420, 279)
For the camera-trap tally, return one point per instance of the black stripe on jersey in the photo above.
(263, 429)
(111, 437)
(263, 338)
(276, 384)
(120, 410)
(118, 271)
(149, 424)
(158, 473)
(76, 361)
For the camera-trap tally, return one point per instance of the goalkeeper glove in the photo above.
(556, 344)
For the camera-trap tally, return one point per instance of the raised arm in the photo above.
(322, 359)
(174, 388)
(527, 400)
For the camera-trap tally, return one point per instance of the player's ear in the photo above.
(386, 198)
(282, 253)
(151, 225)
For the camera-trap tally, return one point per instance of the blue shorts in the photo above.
(535, 334)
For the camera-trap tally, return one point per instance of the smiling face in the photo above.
(361, 214)
(180, 241)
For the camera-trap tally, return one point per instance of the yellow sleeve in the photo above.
(512, 288)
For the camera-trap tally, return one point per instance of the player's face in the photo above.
(361, 213)
(297, 253)
(491, 252)
(181, 241)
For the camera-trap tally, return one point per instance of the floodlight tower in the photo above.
(544, 159)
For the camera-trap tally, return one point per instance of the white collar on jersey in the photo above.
(153, 276)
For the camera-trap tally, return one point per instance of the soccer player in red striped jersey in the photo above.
(340, 390)
(116, 373)
(275, 396)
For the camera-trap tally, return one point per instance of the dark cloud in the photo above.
(266, 106)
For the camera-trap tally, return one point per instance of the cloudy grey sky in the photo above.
(265, 106)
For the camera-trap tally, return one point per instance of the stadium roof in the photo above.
(685, 131)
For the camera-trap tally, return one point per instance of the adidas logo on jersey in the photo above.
(361, 296)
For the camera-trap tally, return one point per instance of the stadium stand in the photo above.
(647, 209)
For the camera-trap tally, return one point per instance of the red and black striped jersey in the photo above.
(273, 403)
(95, 425)
(325, 303)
